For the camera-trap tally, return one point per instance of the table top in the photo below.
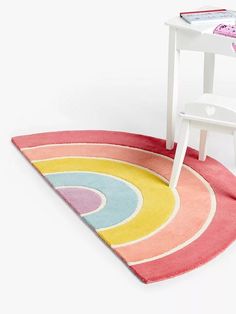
(179, 23)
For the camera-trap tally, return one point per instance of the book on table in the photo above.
(209, 16)
(225, 30)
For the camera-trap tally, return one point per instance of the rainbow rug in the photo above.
(118, 184)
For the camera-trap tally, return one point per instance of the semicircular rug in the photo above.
(118, 184)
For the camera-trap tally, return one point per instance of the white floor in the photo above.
(71, 65)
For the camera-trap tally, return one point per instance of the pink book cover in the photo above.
(226, 30)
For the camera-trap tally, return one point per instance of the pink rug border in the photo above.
(223, 186)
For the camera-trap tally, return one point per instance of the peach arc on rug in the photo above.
(118, 184)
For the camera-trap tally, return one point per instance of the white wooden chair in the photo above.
(192, 37)
(209, 113)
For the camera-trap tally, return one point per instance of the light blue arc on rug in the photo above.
(121, 199)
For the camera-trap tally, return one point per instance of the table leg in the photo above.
(209, 70)
(234, 134)
(208, 82)
(172, 93)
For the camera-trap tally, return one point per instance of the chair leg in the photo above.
(180, 154)
(203, 145)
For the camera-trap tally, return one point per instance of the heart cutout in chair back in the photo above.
(210, 110)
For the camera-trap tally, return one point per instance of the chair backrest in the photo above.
(216, 114)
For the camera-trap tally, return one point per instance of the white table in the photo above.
(184, 36)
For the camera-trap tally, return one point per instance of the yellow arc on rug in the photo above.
(158, 199)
